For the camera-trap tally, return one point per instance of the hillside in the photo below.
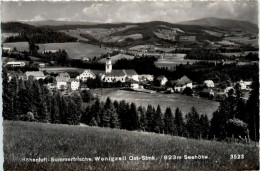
(34, 140)
(231, 25)
(34, 34)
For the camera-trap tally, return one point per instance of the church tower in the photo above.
(108, 65)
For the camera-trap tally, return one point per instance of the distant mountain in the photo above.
(56, 23)
(232, 25)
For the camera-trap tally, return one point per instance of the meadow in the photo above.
(184, 103)
(117, 57)
(41, 140)
(75, 50)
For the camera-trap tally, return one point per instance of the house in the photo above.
(182, 83)
(74, 83)
(62, 80)
(41, 65)
(163, 80)
(35, 74)
(86, 75)
(245, 85)
(16, 64)
(209, 83)
(131, 74)
(84, 59)
(134, 85)
(6, 49)
(49, 51)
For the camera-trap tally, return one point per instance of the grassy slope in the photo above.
(23, 139)
(184, 103)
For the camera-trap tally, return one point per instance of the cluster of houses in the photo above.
(65, 80)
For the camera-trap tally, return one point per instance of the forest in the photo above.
(34, 34)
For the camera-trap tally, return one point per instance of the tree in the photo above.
(192, 123)
(157, 121)
(204, 125)
(252, 105)
(178, 123)
(143, 119)
(133, 118)
(55, 117)
(149, 116)
(237, 128)
(168, 121)
(187, 91)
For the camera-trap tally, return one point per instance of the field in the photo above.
(61, 69)
(117, 57)
(39, 140)
(74, 50)
(165, 100)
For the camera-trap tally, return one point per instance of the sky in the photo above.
(126, 11)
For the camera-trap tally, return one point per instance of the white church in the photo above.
(110, 75)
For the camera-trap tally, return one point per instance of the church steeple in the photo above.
(108, 65)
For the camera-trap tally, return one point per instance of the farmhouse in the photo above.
(209, 83)
(182, 83)
(62, 80)
(35, 74)
(87, 74)
(16, 64)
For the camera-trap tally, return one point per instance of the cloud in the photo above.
(129, 11)
(38, 18)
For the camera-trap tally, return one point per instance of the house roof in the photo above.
(63, 77)
(34, 73)
(117, 72)
(161, 77)
(183, 81)
(130, 72)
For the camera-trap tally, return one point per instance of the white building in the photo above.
(6, 49)
(16, 64)
(182, 83)
(74, 84)
(62, 80)
(86, 75)
(49, 51)
(35, 74)
(245, 85)
(209, 83)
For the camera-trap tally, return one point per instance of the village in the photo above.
(67, 80)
